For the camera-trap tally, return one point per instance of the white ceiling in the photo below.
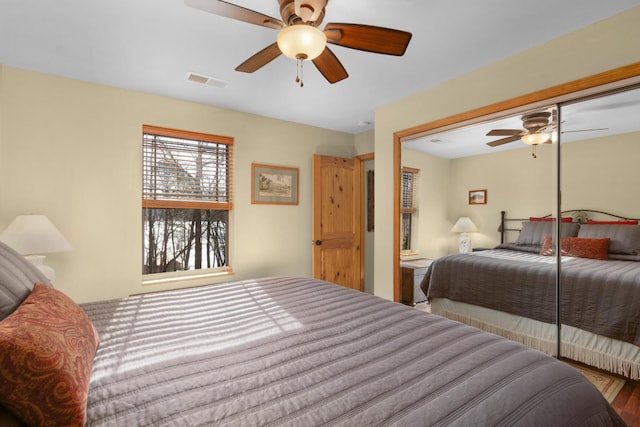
(151, 46)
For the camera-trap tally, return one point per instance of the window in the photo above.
(186, 199)
(408, 206)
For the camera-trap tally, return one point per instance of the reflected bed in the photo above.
(511, 291)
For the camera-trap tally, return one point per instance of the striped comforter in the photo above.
(303, 352)
(599, 296)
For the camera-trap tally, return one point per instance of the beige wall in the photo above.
(364, 142)
(516, 182)
(72, 150)
(602, 46)
(602, 174)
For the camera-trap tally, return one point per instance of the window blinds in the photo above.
(186, 169)
(409, 179)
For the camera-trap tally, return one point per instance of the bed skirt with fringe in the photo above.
(604, 353)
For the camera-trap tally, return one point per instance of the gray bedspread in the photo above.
(302, 352)
(599, 296)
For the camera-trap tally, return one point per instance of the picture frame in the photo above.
(478, 197)
(274, 185)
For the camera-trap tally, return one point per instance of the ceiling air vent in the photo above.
(206, 80)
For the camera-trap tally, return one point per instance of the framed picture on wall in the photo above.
(274, 185)
(478, 197)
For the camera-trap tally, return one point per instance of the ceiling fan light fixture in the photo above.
(301, 42)
(535, 138)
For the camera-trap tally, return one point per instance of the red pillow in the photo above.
(47, 346)
(578, 247)
(546, 218)
(622, 222)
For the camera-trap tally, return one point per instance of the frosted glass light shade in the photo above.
(34, 234)
(535, 138)
(301, 41)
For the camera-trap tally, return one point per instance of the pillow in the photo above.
(625, 239)
(535, 249)
(17, 277)
(47, 346)
(548, 219)
(578, 247)
(533, 232)
(621, 222)
(624, 257)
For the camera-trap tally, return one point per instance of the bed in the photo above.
(271, 351)
(511, 289)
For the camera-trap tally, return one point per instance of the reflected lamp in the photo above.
(463, 226)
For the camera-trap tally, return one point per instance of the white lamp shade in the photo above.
(34, 234)
(301, 41)
(464, 225)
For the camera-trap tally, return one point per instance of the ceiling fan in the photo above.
(534, 124)
(537, 130)
(300, 38)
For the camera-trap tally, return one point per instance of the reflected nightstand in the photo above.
(412, 274)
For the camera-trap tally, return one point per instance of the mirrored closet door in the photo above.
(495, 187)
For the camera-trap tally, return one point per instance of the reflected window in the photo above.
(409, 206)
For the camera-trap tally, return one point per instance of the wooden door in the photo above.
(337, 220)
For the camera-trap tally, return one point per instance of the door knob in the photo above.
(318, 242)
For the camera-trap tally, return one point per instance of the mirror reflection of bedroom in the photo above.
(483, 240)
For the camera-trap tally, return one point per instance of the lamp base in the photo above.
(464, 243)
(38, 261)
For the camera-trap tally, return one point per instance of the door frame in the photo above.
(363, 197)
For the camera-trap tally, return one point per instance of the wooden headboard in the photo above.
(578, 215)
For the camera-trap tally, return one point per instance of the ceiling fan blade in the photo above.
(260, 59)
(239, 13)
(503, 141)
(504, 132)
(368, 38)
(330, 66)
(584, 130)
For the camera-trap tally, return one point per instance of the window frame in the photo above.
(169, 203)
(408, 208)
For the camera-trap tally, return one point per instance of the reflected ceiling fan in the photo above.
(300, 38)
(536, 130)
(534, 124)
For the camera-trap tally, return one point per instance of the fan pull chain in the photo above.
(533, 152)
(299, 71)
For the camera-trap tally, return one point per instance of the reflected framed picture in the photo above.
(478, 197)
(276, 185)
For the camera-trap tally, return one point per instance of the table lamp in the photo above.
(463, 226)
(33, 236)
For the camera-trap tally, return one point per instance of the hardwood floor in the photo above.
(627, 403)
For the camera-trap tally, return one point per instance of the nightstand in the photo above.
(413, 272)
